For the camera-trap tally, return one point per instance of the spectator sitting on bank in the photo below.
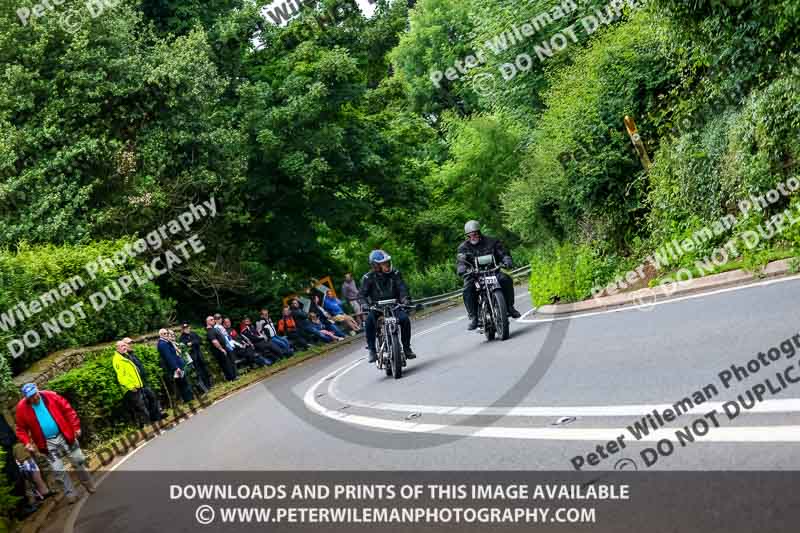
(334, 306)
(304, 324)
(317, 325)
(243, 348)
(47, 423)
(31, 474)
(266, 327)
(174, 365)
(259, 342)
(192, 341)
(324, 317)
(350, 295)
(288, 328)
(14, 473)
(220, 350)
(141, 399)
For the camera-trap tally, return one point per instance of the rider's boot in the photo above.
(409, 352)
(373, 355)
(473, 323)
(513, 313)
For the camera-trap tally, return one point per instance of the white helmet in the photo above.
(472, 225)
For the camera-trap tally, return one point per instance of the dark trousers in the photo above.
(471, 293)
(144, 405)
(402, 319)
(184, 386)
(200, 367)
(296, 338)
(225, 362)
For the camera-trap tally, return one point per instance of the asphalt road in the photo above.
(469, 404)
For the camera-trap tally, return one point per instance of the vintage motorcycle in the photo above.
(492, 310)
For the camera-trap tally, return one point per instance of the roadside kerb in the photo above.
(714, 281)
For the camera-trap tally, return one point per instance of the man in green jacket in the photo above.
(140, 398)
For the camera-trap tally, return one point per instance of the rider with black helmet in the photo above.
(477, 245)
(385, 283)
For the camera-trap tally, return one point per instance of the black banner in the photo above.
(634, 502)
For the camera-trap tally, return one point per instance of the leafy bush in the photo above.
(94, 392)
(34, 270)
(580, 164)
(437, 279)
(567, 273)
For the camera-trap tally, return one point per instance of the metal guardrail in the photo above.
(442, 298)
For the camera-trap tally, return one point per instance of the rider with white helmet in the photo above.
(477, 245)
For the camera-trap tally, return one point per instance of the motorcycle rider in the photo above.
(385, 283)
(477, 245)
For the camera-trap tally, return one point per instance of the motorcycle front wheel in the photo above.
(396, 356)
(501, 314)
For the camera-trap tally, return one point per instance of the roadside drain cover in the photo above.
(412, 416)
(564, 420)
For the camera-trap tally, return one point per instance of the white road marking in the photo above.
(634, 307)
(787, 433)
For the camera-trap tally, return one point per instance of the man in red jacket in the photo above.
(47, 422)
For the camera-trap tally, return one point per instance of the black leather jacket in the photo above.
(377, 286)
(486, 246)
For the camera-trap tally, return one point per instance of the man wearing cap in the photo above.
(192, 340)
(47, 422)
(130, 374)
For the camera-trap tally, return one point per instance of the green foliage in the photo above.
(562, 273)
(433, 280)
(580, 176)
(35, 270)
(94, 392)
(7, 500)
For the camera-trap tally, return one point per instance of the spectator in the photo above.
(288, 328)
(30, 472)
(304, 324)
(47, 423)
(192, 342)
(132, 356)
(14, 475)
(350, 295)
(266, 327)
(219, 349)
(334, 306)
(243, 349)
(323, 316)
(317, 325)
(174, 365)
(189, 369)
(141, 399)
(259, 342)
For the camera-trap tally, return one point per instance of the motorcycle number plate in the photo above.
(491, 279)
